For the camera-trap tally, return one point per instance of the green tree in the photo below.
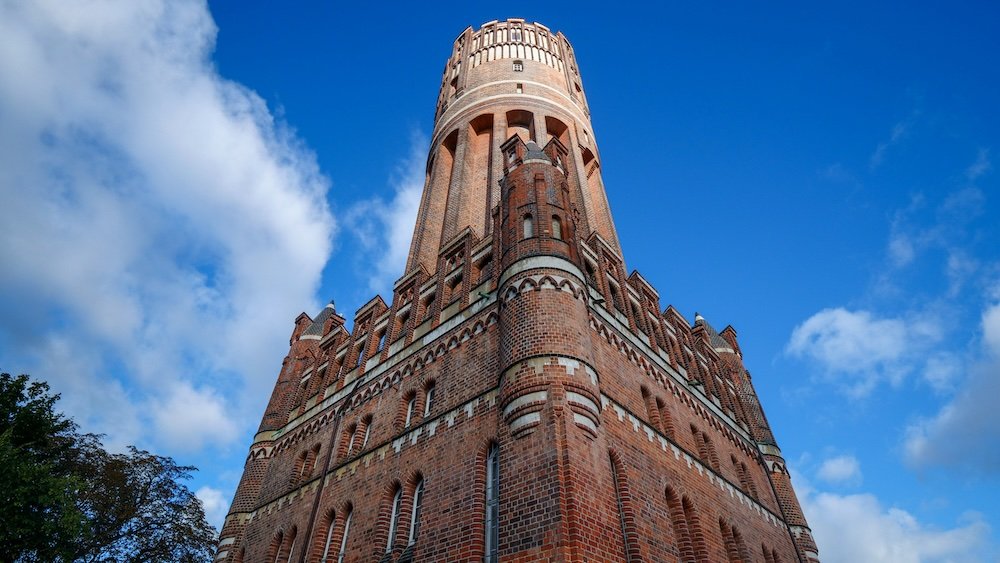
(64, 498)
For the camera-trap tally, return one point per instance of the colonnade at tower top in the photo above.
(506, 78)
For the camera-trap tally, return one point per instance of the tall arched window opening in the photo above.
(618, 481)
(410, 404)
(343, 538)
(397, 501)
(492, 527)
(331, 520)
(418, 498)
(429, 398)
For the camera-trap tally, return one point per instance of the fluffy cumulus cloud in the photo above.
(840, 469)
(965, 432)
(215, 503)
(852, 528)
(160, 228)
(859, 348)
(387, 226)
(858, 527)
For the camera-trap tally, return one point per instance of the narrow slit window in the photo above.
(343, 539)
(409, 411)
(492, 527)
(556, 227)
(291, 547)
(418, 497)
(397, 500)
(529, 226)
(429, 399)
(332, 520)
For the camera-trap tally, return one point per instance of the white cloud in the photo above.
(901, 250)
(860, 349)
(381, 225)
(965, 432)
(215, 503)
(898, 133)
(981, 166)
(942, 370)
(852, 528)
(960, 268)
(158, 221)
(991, 329)
(840, 469)
(187, 419)
(857, 527)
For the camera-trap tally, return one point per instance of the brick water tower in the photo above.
(521, 397)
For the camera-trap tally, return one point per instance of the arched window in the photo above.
(352, 438)
(694, 527)
(429, 398)
(736, 550)
(706, 450)
(626, 517)
(529, 226)
(330, 521)
(492, 520)
(418, 498)
(397, 501)
(311, 462)
(746, 480)
(556, 227)
(410, 404)
(651, 412)
(291, 546)
(274, 552)
(713, 458)
(368, 431)
(682, 535)
(343, 539)
(666, 421)
(298, 469)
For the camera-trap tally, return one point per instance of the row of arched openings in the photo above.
(685, 521)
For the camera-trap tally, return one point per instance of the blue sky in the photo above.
(179, 180)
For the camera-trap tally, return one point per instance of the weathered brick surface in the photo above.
(624, 432)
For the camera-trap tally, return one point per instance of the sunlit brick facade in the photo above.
(521, 397)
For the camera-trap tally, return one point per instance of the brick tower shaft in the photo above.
(504, 79)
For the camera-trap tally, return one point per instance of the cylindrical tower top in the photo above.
(498, 52)
(506, 78)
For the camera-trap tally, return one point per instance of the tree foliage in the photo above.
(64, 498)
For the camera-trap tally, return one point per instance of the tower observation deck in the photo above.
(520, 397)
